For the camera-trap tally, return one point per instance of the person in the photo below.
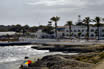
(25, 65)
(26, 57)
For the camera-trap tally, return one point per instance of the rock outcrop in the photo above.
(59, 62)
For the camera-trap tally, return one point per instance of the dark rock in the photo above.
(60, 62)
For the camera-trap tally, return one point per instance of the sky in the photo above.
(39, 12)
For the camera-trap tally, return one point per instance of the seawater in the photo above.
(12, 56)
(14, 53)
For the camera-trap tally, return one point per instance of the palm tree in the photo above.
(23, 31)
(55, 19)
(69, 23)
(79, 34)
(8, 36)
(87, 20)
(102, 19)
(49, 23)
(48, 29)
(97, 20)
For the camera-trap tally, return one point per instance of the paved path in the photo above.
(100, 66)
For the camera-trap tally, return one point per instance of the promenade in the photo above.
(67, 42)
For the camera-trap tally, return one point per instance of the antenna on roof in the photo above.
(79, 18)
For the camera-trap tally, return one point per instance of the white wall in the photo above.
(83, 30)
(75, 31)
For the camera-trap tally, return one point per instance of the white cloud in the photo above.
(33, 12)
(58, 2)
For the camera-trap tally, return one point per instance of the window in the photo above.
(82, 30)
(96, 29)
(63, 34)
(67, 30)
(92, 35)
(74, 35)
(103, 35)
(67, 35)
(78, 30)
(75, 31)
(103, 30)
(71, 31)
(82, 35)
(86, 30)
(92, 30)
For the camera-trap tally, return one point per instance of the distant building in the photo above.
(80, 29)
(7, 33)
(63, 32)
(8, 36)
(40, 34)
(60, 32)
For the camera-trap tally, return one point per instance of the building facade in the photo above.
(64, 32)
(40, 34)
(75, 30)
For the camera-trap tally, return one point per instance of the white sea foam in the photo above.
(11, 56)
(14, 53)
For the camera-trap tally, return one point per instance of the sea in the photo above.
(11, 57)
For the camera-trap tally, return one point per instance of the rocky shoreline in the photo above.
(89, 56)
(71, 48)
(60, 62)
(79, 61)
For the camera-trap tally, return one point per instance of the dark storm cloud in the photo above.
(35, 12)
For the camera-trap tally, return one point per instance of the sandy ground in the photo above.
(100, 65)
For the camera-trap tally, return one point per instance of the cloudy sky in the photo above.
(36, 12)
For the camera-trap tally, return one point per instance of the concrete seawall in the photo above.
(70, 47)
(14, 43)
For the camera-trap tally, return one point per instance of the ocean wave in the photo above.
(14, 53)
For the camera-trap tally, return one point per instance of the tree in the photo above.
(87, 20)
(69, 23)
(40, 27)
(95, 33)
(80, 22)
(55, 19)
(23, 31)
(18, 27)
(15, 28)
(97, 20)
(79, 34)
(33, 29)
(48, 29)
(26, 27)
(8, 36)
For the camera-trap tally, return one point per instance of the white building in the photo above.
(40, 34)
(75, 30)
(83, 30)
(63, 32)
(7, 33)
